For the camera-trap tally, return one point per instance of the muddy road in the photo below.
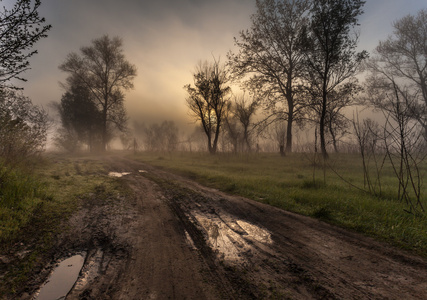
(171, 238)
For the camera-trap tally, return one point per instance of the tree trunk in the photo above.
(210, 148)
(215, 142)
(334, 139)
(246, 138)
(322, 125)
(290, 122)
(289, 135)
(104, 131)
(282, 150)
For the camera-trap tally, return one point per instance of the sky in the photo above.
(164, 39)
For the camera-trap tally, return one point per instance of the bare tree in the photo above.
(244, 112)
(233, 130)
(103, 69)
(272, 54)
(163, 137)
(278, 134)
(402, 137)
(208, 99)
(239, 121)
(20, 28)
(331, 56)
(336, 123)
(402, 59)
(368, 139)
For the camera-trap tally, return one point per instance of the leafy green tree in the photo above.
(20, 28)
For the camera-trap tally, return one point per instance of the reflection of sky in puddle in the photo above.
(230, 238)
(255, 232)
(62, 279)
(118, 174)
(90, 271)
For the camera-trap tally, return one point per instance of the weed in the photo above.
(310, 184)
(323, 213)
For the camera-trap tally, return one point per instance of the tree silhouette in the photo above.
(331, 56)
(20, 28)
(208, 99)
(104, 71)
(271, 53)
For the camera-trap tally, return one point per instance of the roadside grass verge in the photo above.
(33, 206)
(295, 183)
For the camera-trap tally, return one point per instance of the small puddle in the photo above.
(231, 238)
(62, 279)
(255, 232)
(142, 171)
(118, 174)
(90, 271)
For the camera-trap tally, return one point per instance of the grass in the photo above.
(33, 206)
(294, 183)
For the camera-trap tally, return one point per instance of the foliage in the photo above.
(104, 71)
(208, 100)
(20, 28)
(23, 127)
(80, 119)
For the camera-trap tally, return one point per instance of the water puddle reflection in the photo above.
(255, 232)
(231, 238)
(118, 174)
(90, 271)
(62, 279)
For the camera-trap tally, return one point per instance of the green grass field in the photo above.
(293, 183)
(38, 202)
(34, 204)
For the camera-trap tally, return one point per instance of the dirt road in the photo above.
(174, 239)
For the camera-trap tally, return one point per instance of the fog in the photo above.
(164, 39)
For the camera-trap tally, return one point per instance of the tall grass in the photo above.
(34, 206)
(20, 196)
(296, 184)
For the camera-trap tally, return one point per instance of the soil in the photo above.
(176, 239)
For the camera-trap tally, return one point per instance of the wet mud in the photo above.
(171, 238)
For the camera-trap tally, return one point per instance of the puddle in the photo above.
(62, 279)
(142, 171)
(255, 232)
(90, 271)
(118, 174)
(231, 238)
